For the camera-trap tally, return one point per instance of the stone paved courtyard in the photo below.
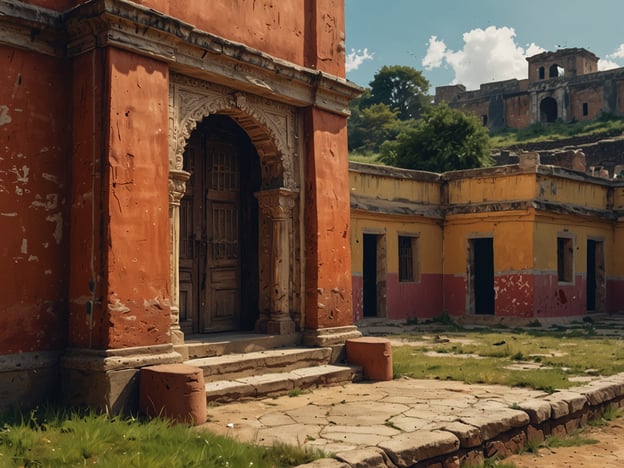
(404, 421)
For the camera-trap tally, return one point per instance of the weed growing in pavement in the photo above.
(295, 392)
(493, 462)
(609, 413)
(571, 440)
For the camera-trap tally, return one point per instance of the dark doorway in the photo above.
(595, 276)
(374, 275)
(369, 273)
(548, 110)
(482, 275)
(219, 230)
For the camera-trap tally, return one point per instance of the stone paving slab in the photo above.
(408, 422)
(271, 384)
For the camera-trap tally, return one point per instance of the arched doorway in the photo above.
(548, 110)
(218, 263)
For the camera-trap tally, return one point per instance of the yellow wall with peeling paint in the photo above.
(549, 227)
(477, 188)
(572, 192)
(429, 233)
(391, 188)
(512, 232)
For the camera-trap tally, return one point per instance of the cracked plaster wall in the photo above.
(34, 155)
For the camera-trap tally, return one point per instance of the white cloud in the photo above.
(356, 58)
(436, 50)
(606, 65)
(489, 54)
(619, 53)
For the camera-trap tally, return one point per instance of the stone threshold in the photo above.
(498, 432)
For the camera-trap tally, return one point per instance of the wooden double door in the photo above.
(219, 230)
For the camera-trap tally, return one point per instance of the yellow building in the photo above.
(524, 240)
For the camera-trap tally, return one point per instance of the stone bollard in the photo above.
(373, 354)
(175, 391)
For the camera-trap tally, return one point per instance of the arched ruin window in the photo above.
(548, 110)
(542, 73)
(555, 71)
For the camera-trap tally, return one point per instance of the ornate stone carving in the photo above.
(177, 185)
(273, 129)
(277, 206)
(271, 126)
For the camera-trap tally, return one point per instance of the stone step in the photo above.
(239, 365)
(218, 344)
(280, 383)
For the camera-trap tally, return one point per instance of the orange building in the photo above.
(166, 168)
(525, 240)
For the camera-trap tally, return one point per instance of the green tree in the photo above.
(368, 128)
(403, 89)
(443, 140)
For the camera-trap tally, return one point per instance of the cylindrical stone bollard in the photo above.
(373, 354)
(174, 391)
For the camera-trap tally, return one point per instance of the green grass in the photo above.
(57, 438)
(604, 127)
(557, 355)
(610, 413)
(572, 440)
(491, 463)
(295, 392)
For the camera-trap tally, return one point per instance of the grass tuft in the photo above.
(57, 437)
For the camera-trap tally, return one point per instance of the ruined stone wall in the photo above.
(606, 153)
(477, 107)
(517, 111)
(574, 61)
(590, 98)
(583, 94)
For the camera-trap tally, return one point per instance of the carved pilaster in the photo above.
(277, 208)
(177, 187)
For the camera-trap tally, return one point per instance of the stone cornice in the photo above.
(187, 50)
(396, 207)
(32, 28)
(407, 208)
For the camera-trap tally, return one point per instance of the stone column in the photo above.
(277, 205)
(177, 187)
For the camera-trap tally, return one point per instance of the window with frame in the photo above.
(565, 259)
(409, 263)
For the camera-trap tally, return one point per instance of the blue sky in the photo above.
(476, 41)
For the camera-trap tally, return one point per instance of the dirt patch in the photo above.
(427, 340)
(607, 453)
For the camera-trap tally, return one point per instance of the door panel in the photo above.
(222, 287)
(219, 230)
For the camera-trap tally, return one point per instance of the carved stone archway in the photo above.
(273, 129)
